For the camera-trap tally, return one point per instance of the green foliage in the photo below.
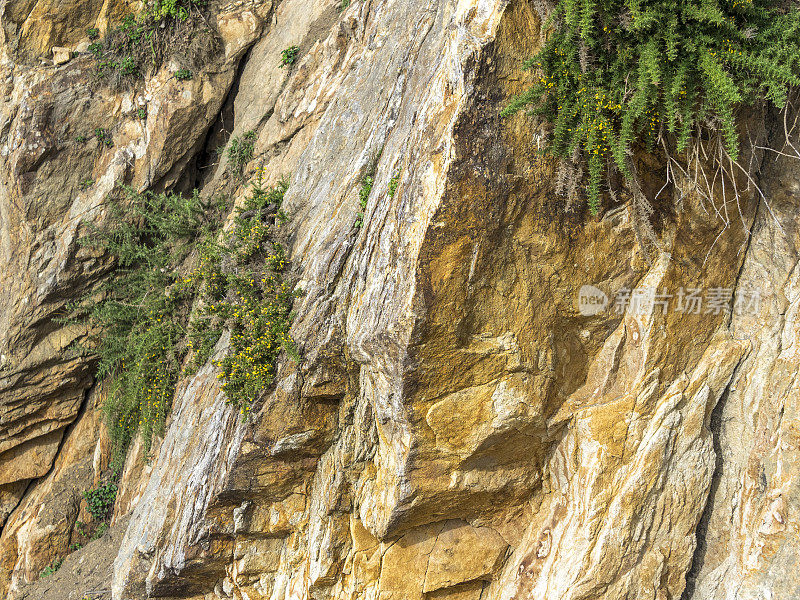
(80, 527)
(141, 113)
(52, 567)
(101, 499)
(183, 74)
(103, 137)
(150, 322)
(367, 181)
(363, 196)
(240, 152)
(393, 183)
(170, 9)
(142, 41)
(289, 55)
(143, 309)
(244, 291)
(93, 33)
(620, 74)
(98, 533)
(344, 5)
(86, 183)
(81, 139)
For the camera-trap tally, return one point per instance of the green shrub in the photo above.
(620, 75)
(149, 321)
(289, 56)
(183, 74)
(86, 183)
(52, 567)
(249, 296)
(128, 66)
(93, 33)
(240, 152)
(101, 499)
(142, 316)
(141, 113)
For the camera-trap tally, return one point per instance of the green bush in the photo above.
(101, 499)
(289, 56)
(183, 74)
(93, 33)
(244, 291)
(150, 321)
(620, 75)
(98, 533)
(393, 183)
(141, 318)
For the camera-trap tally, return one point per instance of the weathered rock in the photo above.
(61, 55)
(457, 427)
(40, 530)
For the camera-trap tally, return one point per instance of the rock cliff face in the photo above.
(458, 427)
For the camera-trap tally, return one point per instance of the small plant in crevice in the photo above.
(98, 533)
(289, 56)
(183, 75)
(80, 139)
(141, 113)
(93, 33)
(240, 152)
(86, 183)
(365, 189)
(393, 183)
(244, 291)
(103, 137)
(100, 500)
(345, 4)
(363, 196)
(80, 527)
(54, 566)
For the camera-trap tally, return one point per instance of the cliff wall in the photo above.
(458, 428)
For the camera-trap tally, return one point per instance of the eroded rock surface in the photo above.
(457, 428)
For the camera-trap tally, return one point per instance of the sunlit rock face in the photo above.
(460, 425)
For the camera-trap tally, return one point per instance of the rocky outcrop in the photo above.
(460, 426)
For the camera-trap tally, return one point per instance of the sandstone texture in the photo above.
(457, 427)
